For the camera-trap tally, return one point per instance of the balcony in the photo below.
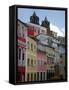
(22, 39)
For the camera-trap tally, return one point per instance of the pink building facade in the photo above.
(41, 62)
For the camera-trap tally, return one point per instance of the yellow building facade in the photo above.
(31, 62)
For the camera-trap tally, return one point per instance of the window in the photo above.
(38, 62)
(23, 31)
(43, 31)
(19, 54)
(37, 76)
(49, 41)
(31, 62)
(28, 77)
(22, 28)
(38, 31)
(34, 76)
(35, 62)
(45, 63)
(34, 46)
(31, 46)
(31, 76)
(23, 35)
(52, 60)
(23, 56)
(48, 75)
(18, 26)
(28, 62)
(60, 55)
(51, 67)
(43, 75)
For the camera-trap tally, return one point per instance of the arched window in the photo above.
(31, 46)
(19, 53)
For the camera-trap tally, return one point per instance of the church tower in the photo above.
(34, 19)
(46, 24)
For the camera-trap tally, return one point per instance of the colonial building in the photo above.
(41, 62)
(46, 42)
(36, 29)
(21, 50)
(41, 53)
(31, 72)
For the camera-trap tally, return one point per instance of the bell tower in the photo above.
(46, 24)
(34, 18)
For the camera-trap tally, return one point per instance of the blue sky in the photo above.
(56, 17)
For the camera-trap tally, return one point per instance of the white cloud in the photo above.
(60, 32)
